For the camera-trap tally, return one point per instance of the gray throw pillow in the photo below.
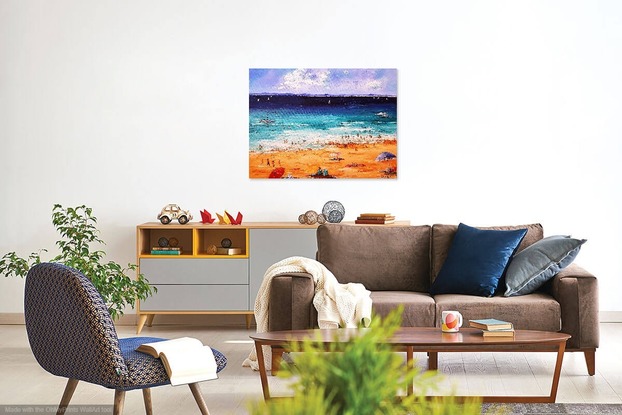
(533, 266)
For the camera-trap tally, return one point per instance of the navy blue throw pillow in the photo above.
(476, 261)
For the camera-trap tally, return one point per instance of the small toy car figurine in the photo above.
(172, 211)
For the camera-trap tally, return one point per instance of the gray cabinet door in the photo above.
(198, 298)
(195, 270)
(268, 246)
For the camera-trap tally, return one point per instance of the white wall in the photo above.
(509, 113)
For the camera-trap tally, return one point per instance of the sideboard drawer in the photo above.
(198, 297)
(194, 271)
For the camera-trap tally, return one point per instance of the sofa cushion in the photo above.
(419, 308)
(531, 268)
(476, 261)
(382, 258)
(443, 235)
(537, 311)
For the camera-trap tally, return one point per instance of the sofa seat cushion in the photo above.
(419, 308)
(382, 258)
(536, 311)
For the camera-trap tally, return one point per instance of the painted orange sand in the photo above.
(339, 160)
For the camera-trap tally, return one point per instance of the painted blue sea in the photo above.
(291, 122)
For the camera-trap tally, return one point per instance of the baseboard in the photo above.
(610, 316)
(12, 318)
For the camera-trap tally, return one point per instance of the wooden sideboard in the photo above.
(199, 281)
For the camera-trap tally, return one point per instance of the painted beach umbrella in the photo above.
(385, 155)
(277, 173)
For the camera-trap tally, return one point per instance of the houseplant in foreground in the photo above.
(76, 226)
(361, 377)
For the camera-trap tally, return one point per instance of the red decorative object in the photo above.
(206, 217)
(237, 220)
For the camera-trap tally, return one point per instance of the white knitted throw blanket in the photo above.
(337, 305)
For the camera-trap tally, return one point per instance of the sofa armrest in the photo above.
(291, 302)
(576, 290)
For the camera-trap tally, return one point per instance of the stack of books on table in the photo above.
(374, 219)
(491, 327)
(166, 250)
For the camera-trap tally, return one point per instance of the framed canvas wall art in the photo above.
(323, 123)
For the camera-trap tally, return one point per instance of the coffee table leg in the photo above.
(409, 366)
(557, 373)
(432, 360)
(262, 370)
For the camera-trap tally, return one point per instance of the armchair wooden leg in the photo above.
(147, 399)
(119, 400)
(590, 360)
(196, 392)
(64, 401)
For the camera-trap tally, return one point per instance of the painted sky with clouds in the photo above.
(324, 81)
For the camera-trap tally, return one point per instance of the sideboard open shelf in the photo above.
(199, 281)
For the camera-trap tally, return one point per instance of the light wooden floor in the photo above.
(23, 382)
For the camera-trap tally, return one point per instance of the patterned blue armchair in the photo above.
(72, 335)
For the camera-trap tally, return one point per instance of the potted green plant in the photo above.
(361, 377)
(77, 227)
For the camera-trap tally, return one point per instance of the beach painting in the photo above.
(323, 123)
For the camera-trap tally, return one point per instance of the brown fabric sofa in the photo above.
(399, 263)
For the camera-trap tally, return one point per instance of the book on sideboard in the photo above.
(373, 221)
(375, 218)
(165, 252)
(386, 216)
(185, 359)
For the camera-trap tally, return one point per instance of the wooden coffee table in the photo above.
(432, 341)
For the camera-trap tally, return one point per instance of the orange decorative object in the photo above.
(206, 217)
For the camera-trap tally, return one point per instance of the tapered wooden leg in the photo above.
(119, 400)
(147, 399)
(277, 356)
(590, 360)
(557, 372)
(409, 366)
(64, 401)
(142, 318)
(262, 370)
(150, 320)
(433, 361)
(196, 392)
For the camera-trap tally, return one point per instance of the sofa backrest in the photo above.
(443, 235)
(383, 258)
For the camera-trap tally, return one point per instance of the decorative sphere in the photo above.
(310, 217)
(333, 211)
(225, 243)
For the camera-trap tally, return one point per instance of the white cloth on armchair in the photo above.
(338, 305)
